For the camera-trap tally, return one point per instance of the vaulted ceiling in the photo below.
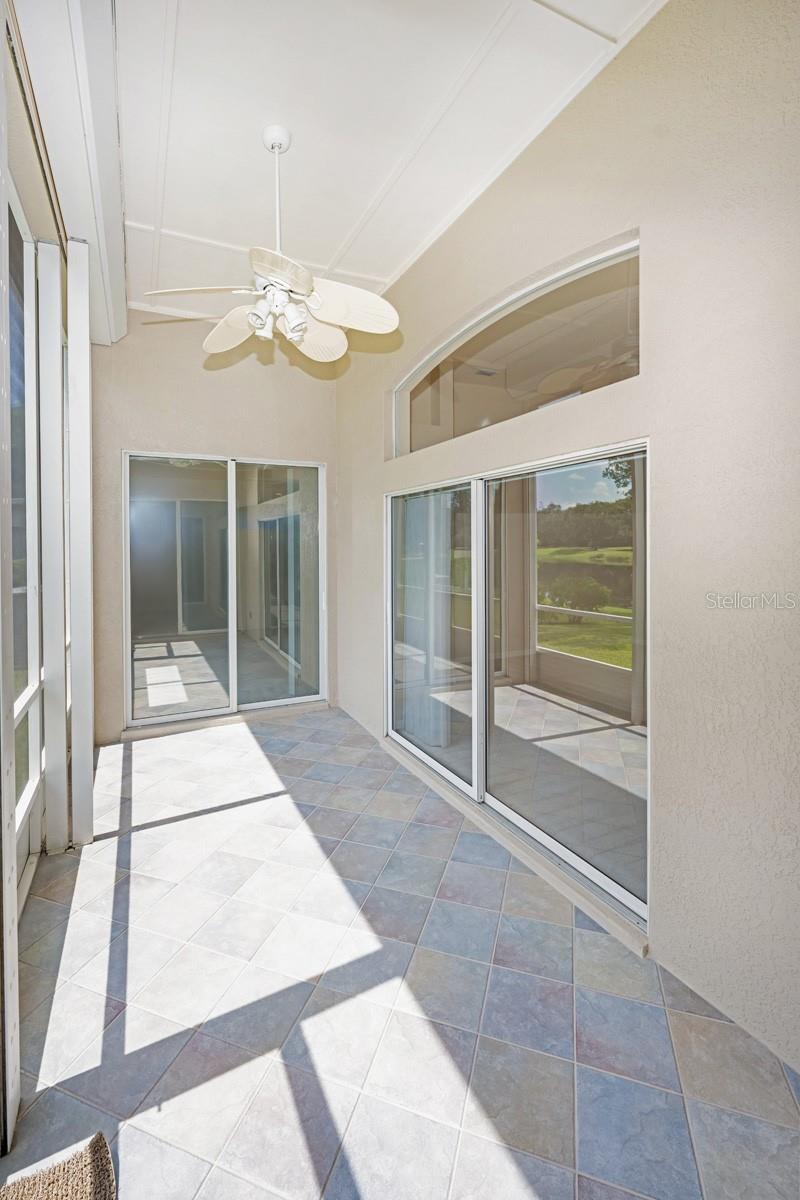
(402, 112)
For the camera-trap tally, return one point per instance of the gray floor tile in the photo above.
(366, 965)
(146, 1166)
(393, 914)
(199, 1100)
(529, 896)
(383, 1150)
(237, 928)
(523, 1099)
(468, 884)
(221, 1185)
(444, 988)
(330, 822)
(120, 1067)
(592, 1189)
(300, 947)
(275, 885)
(38, 918)
(304, 848)
(362, 863)
(396, 806)
(258, 1010)
(723, 1065)
(56, 1032)
(376, 831)
(460, 929)
(481, 850)
(329, 897)
(625, 1037)
(35, 986)
(534, 946)
(742, 1157)
(288, 1139)
(431, 840)
(411, 873)
(487, 1171)
(181, 912)
(122, 968)
(635, 1136)
(603, 963)
(432, 810)
(336, 1035)
(130, 898)
(678, 996)
(529, 1011)
(65, 949)
(423, 1066)
(188, 987)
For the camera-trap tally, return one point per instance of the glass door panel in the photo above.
(278, 576)
(566, 720)
(178, 586)
(432, 626)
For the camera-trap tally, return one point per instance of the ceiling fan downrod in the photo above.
(277, 140)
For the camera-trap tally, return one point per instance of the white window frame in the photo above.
(481, 657)
(615, 250)
(29, 804)
(233, 706)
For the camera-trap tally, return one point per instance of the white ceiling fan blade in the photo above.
(563, 378)
(271, 265)
(234, 287)
(353, 307)
(323, 343)
(232, 330)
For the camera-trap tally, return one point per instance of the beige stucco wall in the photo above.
(692, 136)
(155, 390)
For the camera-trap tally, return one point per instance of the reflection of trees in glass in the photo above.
(576, 591)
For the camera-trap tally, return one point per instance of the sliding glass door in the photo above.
(224, 585)
(278, 626)
(560, 642)
(432, 626)
(178, 608)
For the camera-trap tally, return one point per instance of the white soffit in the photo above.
(402, 113)
(68, 47)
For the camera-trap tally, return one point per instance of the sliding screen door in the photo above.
(432, 626)
(178, 592)
(566, 723)
(278, 576)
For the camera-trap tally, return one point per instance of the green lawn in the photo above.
(605, 556)
(603, 641)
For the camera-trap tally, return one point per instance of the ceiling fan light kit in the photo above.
(310, 313)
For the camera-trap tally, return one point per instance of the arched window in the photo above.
(572, 334)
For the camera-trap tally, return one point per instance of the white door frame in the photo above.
(233, 705)
(481, 652)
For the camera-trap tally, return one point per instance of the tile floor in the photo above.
(189, 673)
(285, 969)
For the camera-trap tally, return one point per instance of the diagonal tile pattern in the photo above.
(284, 968)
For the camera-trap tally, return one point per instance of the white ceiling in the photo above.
(402, 113)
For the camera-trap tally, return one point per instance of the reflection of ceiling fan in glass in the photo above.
(288, 299)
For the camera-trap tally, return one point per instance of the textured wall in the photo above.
(692, 136)
(154, 390)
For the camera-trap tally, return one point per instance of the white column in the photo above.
(79, 371)
(9, 982)
(51, 450)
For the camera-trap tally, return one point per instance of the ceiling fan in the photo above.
(287, 299)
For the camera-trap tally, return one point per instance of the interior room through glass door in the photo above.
(278, 578)
(566, 711)
(178, 525)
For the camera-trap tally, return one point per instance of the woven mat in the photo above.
(87, 1175)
